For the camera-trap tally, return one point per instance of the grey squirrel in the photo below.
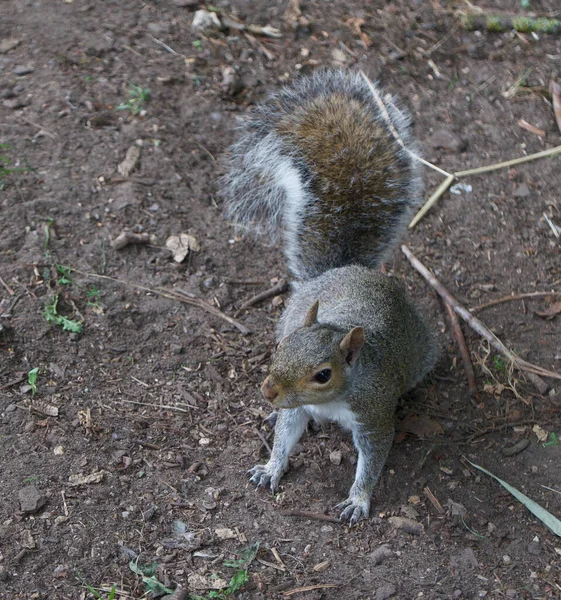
(320, 166)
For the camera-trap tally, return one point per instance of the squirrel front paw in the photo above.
(269, 473)
(355, 508)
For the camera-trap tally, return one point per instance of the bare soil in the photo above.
(158, 412)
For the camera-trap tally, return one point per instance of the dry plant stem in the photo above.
(450, 178)
(309, 515)
(464, 352)
(432, 200)
(555, 89)
(8, 288)
(473, 322)
(278, 288)
(510, 163)
(309, 588)
(393, 130)
(174, 295)
(434, 500)
(513, 297)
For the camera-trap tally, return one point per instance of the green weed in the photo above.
(51, 316)
(238, 579)
(553, 440)
(197, 44)
(94, 296)
(64, 273)
(31, 479)
(138, 96)
(32, 380)
(149, 579)
(5, 167)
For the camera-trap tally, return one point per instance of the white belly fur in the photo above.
(339, 412)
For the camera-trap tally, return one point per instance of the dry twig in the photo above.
(464, 352)
(180, 295)
(512, 297)
(473, 322)
(278, 288)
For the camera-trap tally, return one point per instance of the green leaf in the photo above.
(32, 379)
(550, 521)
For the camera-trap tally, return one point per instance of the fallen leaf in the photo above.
(541, 434)
(180, 246)
(550, 312)
(199, 581)
(225, 534)
(97, 477)
(421, 426)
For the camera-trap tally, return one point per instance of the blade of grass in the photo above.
(549, 520)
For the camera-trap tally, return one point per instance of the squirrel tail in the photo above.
(322, 165)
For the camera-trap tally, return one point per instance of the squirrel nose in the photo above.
(269, 390)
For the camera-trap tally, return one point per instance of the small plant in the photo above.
(31, 479)
(51, 315)
(64, 273)
(499, 363)
(138, 96)
(197, 44)
(5, 167)
(553, 440)
(94, 296)
(112, 591)
(526, 4)
(238, 579)
(149, 579)
(32, 380)
(48, 226)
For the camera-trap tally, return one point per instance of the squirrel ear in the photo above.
(312, 315)
(351, 345)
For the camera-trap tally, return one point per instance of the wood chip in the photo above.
(126, 167)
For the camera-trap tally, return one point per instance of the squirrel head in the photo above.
(313, 364)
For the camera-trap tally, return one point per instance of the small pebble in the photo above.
(21, 70)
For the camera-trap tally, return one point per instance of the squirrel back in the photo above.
(318, 165)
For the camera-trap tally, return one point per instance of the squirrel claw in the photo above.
(353, 510)
(261, 475)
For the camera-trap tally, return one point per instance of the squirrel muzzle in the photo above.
(270, 390)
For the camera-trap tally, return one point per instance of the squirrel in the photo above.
(322, 166)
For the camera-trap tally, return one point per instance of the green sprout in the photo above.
(138, 96)
(32, 380)
(51, 316)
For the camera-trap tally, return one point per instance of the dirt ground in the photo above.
(134, 448)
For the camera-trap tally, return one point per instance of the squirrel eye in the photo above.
(323, 376)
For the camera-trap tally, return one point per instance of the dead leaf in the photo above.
(421, 426)
(42, 408)
(225, 534)
(126, 167)
(541, 434)
(97, 477)
(494, 388)
(201, 581)
(550, 312)
(180, 246)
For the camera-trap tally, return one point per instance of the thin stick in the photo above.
(552, 226)
(41, 128)
(512, 297)
(153, 405)
(473, 322)
(309, 588)
(8, 288)
(432, 200)
(309, 515)
(464, 352)
(164, 46)
(278, 288)
(174, 295)
(510, 163)
(393, 130)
